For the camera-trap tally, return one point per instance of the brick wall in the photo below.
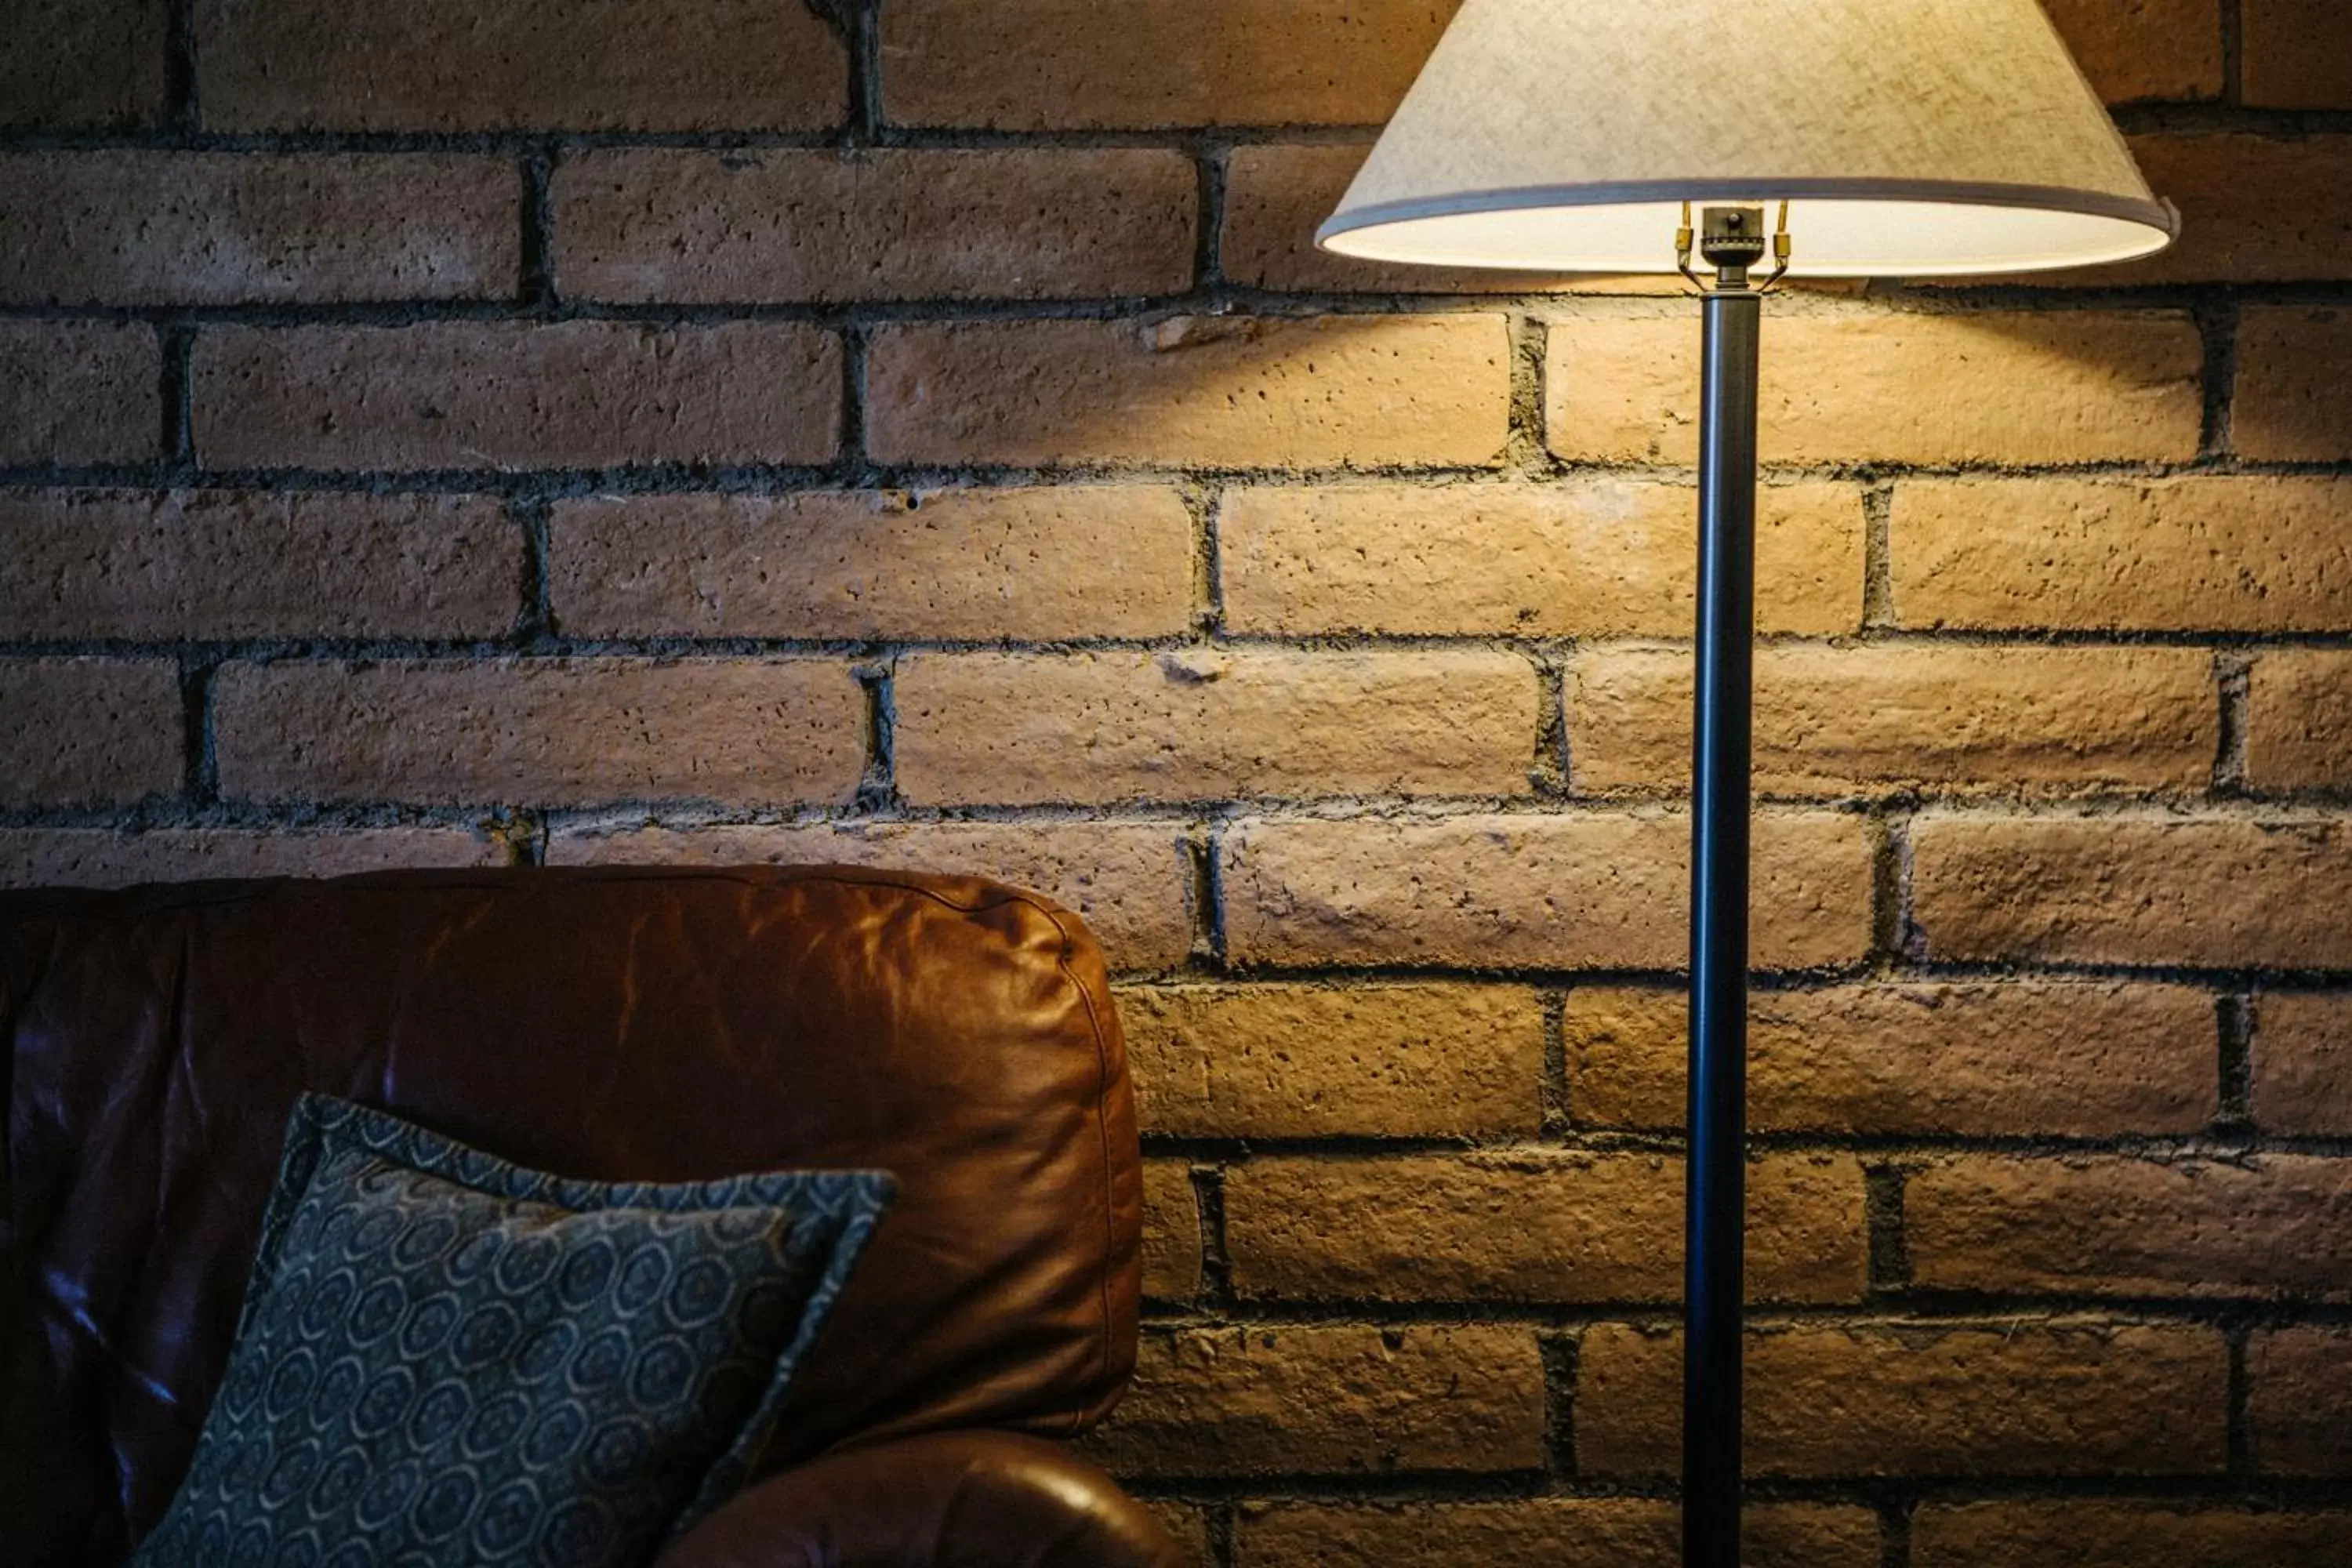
(717, 430)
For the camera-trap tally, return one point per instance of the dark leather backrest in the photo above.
(645, 1023)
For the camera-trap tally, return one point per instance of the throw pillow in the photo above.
(445, 1359)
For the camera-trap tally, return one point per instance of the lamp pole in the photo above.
(1716, 1175)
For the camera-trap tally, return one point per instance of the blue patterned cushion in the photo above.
(445, 1359)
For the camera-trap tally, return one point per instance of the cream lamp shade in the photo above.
(1911, 138)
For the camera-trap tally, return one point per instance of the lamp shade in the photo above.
(1909, 137)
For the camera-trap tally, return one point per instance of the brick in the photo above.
(88, 732)
(2296, 54)
(970, 564)
(1277, 196)
(2252, 555)
(1237, 392)
(2296, 713)
(1172, 1232)
(540, 732)
(1986, 387)
(659, 224)
(2167, 51)
(2134, 890)
(83, 62)
(1906, 717)
(2014, 1060)
(1205, 723)
(127, 227)
(2267, 1226)
(2015, 1399)
(1187, 1526)
(80, 392)
(1589, 556)
(188, 565)
(517, 396)
(1538, 1532)
(1529, 1226)
(2290, 405)
(1129, 881)
(2253, 209)
(519, 64)
(1600, 890)
(2299, 1405)
(2303, 1064)
(1328, 1400)
(102, 857)
(2093, 1532)
(1314, 1061)
(1071, 65)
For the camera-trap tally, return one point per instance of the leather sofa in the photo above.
(611, 1024)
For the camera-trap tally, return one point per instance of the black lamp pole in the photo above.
(1715, 1179)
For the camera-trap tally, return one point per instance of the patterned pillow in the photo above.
(445, 1359)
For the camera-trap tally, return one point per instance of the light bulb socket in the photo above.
(1733, 236)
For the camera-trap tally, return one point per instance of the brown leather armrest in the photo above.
(953, 1499)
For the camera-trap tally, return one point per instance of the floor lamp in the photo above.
(1836, 137)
